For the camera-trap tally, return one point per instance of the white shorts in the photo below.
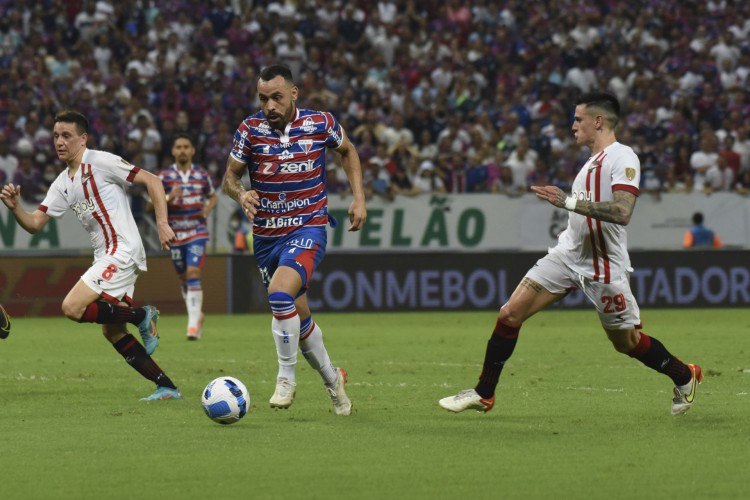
(614, 302)
(112, 279)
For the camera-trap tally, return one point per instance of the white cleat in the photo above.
(195, 332)
(342, 405)
(467, 400)
(684, 396)
(283, 396)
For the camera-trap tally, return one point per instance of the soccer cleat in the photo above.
(4, 323)
(195, 332)
(147, 329)
(342, 405)
(283, 396)
(684, 395)
(467, 400)
(163, 393)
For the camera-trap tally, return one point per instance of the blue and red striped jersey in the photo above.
(185, 213)
(287, 169)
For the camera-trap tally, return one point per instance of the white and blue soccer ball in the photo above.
(225, 400)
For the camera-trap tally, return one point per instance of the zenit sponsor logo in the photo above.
(287, 168)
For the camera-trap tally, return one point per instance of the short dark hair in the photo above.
(182, 135)
(274, 70)
(697, 218)
(607, 103)
(70, 116)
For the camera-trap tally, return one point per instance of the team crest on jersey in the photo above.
(266, 149)
(630, 173)
(306, 144)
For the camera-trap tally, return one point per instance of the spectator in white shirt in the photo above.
(703, 162)
(720, 178)
(521, 163)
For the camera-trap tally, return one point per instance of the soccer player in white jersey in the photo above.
(591, 254)
(93, 186)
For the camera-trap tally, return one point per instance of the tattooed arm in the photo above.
(617, 211)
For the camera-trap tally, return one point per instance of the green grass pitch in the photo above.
(573, 418)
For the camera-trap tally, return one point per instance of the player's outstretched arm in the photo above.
(232, 186)
(32, 222)
(617, 211)
(353, 168)
(158, 199)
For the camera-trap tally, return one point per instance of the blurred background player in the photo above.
(591, 255)
(699, 236)
(190, 199)
(284, 149)
(93, 186)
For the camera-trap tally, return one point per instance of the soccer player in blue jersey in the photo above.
(190, 199)
(283, 148)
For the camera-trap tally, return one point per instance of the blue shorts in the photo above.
(303, 251)
(190, 254)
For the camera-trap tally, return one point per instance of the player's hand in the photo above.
(248, 201)
(357, 215)
(552, 194)
(175, 193)
(166, 235)
(11, 196)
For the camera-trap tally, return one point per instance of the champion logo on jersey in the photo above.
(630, 173)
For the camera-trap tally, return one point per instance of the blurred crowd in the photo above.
(438, 96)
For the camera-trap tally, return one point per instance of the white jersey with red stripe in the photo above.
(593, 248)
(96, 194)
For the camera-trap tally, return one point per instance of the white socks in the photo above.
(315, 352)
(285, 328)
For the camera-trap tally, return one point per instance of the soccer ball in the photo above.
(225, 400)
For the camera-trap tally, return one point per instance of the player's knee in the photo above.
(624, 341)
(71, 310)
(510, 315)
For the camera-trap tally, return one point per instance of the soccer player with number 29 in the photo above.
(592, 255)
